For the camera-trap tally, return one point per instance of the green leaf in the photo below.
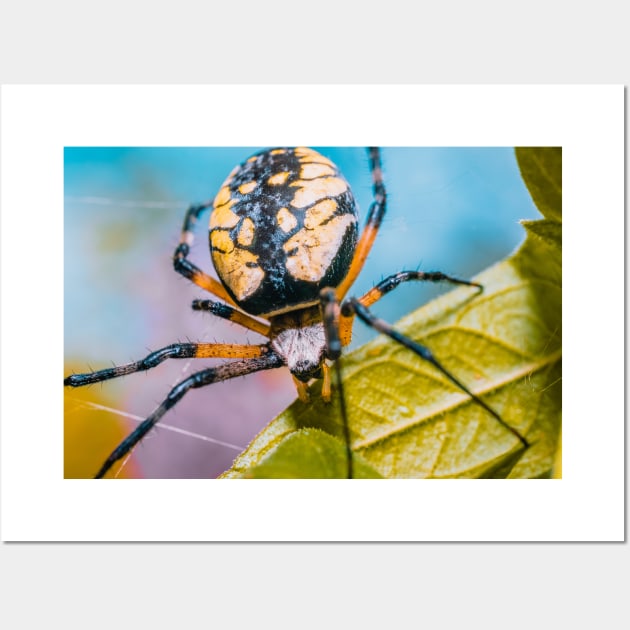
(406, 419)
(309, 454)
(541, 168)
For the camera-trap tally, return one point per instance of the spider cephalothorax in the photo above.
(300, 339)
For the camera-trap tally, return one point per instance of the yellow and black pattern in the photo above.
(283, 226)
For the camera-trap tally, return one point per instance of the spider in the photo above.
(285, 243)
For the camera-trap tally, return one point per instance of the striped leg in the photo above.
(390, 283)
(375, 217)
(233, 315)
(174, 351)
(199, 379)
(180, 258)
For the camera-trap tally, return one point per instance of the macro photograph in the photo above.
(312, 312)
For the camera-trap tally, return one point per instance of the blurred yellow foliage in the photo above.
(86, 448)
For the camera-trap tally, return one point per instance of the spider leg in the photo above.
(363, 313)
(198, 379)
(393, 281)
(375, 217)
(174, 351)
(389, 284)
(331, 314)
(180, 258)
(233, 315)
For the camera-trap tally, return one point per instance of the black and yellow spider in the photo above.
(284, 241)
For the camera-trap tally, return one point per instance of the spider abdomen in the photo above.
(283, 226)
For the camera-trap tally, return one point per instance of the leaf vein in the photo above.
(458, 400)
